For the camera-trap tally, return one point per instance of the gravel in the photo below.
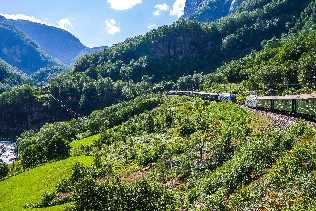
(280, 121)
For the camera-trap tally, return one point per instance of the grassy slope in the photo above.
(28, 187)
(78, 145)
(244, 161)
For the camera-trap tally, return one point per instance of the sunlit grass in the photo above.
(29, 186)
(78, 146)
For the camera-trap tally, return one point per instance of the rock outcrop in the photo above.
(209, 10)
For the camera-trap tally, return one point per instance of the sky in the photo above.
(97, 22)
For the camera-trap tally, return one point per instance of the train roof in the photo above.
(191, 92)
(289, 97)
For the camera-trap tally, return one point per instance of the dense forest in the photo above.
(162, 59)
(10, 76)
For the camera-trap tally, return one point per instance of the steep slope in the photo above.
(10, 76)
(56, 42)
(186, 154)
(209, 10)
(283, 65)
(185, 47)
(19, 51)
(26, 188)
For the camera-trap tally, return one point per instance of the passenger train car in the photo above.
(302, 105)
(205, 95)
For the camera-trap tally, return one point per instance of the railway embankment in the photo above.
(280, 121)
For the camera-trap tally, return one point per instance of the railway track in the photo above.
(282, 110)
(279, 120)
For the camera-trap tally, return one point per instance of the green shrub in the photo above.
(4, 170)
(115, 195)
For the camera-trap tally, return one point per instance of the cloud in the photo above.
(123, 4)
(24, 17)
(177, 8)
(65, 24)
(111, 26)
(159, 8)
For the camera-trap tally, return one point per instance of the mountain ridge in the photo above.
(54, 41)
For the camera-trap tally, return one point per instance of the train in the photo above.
(299, 105)
(229, 97)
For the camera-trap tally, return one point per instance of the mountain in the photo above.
(209, 10)
(10, 76)
(21, 52)
(56, 42)
(156, 61)
(187, 46)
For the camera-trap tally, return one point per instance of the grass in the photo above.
(79, 146)
(28, 187)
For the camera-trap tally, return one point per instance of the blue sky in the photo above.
(97, 22)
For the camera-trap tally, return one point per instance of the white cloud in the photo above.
(123, 4)
(177, 8)
(111, 26)
(159, 8)
(65, 24)
(152, 26)
(24, 17)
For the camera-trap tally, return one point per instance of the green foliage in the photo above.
(10, 76)
(199, 155)
(23, 108)
(20, 51)
(4, 170)
(185, 46)
(281, 65)
(28, 187)
(115, 195)
(52, 141)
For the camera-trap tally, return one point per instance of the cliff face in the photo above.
(191, 6)
(209, 10)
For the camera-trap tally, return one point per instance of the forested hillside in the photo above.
(209, 10)
(186, 46)
(285, 65)
(155, 61)
(56, 42)
(105, 136)
(19, 51)
(10, 76)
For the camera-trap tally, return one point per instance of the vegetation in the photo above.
(52, 141)
(184, 47)
(283, 65)
(19, 51)
(153, 152)
(193, 154)
(164, 59)
(10, 76)
(28, 187)
(4, 170)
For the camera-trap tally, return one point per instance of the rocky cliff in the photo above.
(209, 10)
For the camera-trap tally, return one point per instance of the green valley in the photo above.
(182, 117)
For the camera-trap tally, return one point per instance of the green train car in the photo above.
(301, 105)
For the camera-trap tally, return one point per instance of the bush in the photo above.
(4, 170)
(90, 195)
(52, 140)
